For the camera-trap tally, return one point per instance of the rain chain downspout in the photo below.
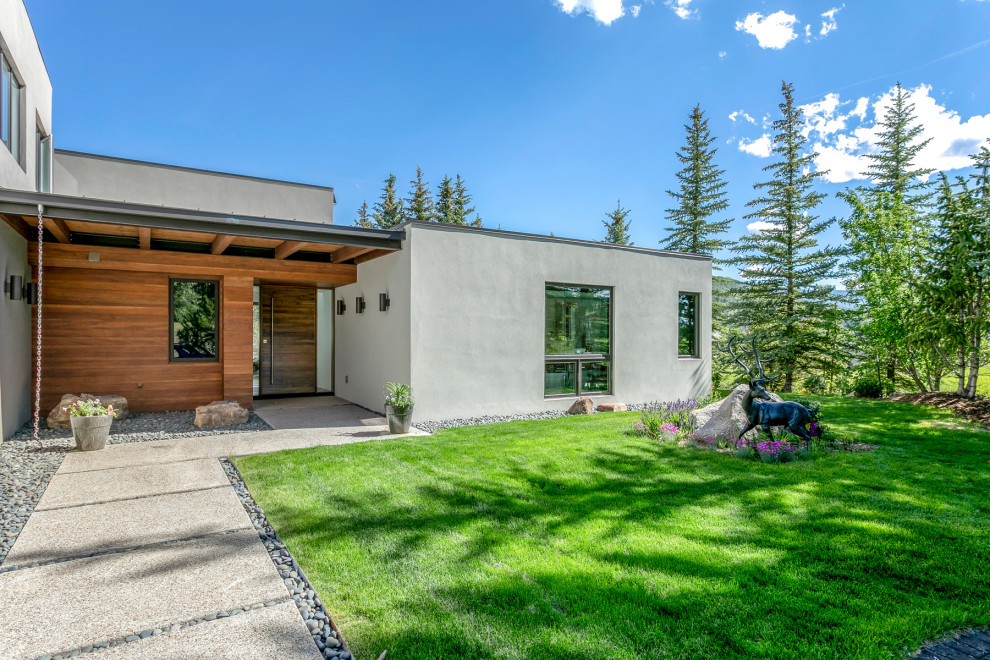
(37, 378)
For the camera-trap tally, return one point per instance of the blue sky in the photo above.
(551, 109)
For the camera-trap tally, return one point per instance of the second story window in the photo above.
(43, 146)
(10, 108)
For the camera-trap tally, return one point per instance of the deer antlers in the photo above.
(763, 378)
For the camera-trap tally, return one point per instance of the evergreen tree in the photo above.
(445, 201)
(390, 211)
(701, 194)
(364, 219)
(617, 227)
(420, 202)
(892, 167)
(462, 208)
(787, 303)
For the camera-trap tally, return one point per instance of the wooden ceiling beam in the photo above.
(59, 229)
(288, 248)
(194, 264)
(19, 225)
(144, 237)
(221, 243)
(374, 254)
(343, 254)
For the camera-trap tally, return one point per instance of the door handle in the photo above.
(271, 332)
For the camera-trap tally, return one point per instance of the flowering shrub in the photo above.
(776, 451)
(659, 421)
(87, 408)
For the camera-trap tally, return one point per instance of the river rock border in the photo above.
(325, 633)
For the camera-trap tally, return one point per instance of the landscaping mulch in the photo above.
(974, 410)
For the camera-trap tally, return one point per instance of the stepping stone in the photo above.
(108, 485)
(79, 531)
(270, 632)
(60, 607)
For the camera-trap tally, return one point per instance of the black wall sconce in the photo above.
(341, 307)
(359, 305)
(31, 293)
(15, 287)
(383, 302)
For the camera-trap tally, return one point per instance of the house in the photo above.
(175, 287)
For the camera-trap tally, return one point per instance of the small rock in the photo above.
(611, 407)
(221, 413)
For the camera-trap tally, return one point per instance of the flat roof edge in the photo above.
(194, 170)
(552, 239)
(85, 209)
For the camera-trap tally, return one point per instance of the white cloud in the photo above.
(604, 11)
(681, 8)
(722, 54)
(759, 147)
(829, 24)
(844, 132)
(773, 31)
(761, 225)
(741, 114)
(635, 9)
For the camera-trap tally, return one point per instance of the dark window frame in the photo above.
(171, 319)
(697, 325)
(578, 359)
(13, 126)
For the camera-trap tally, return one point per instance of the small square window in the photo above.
(193, 320)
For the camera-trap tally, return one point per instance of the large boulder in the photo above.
(582, 406)
(725, 418)
(220, 413)
(58, 418)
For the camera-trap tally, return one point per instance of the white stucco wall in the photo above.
(123, 180)
(17, 37)
(373, 348)
(15, 335)
(477, 320)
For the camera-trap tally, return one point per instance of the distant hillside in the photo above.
(726, 289)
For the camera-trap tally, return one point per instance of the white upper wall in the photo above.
(21, 46)
(123, 180)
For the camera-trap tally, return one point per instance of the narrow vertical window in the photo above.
(44, 162)
(578, 340)
(687, 325)
(193, 319)
(5, 100)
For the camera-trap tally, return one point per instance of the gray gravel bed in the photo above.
(325, 633)
(26, 468)
(436, 425)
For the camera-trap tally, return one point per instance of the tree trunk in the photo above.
(974, 365)
(961, 390)
(788, 382)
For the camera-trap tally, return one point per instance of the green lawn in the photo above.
(569, 539)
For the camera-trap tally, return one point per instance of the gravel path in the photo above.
(26, 468)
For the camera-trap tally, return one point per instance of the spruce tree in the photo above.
(364, 219)
(462, 205)
(892, 168)
(787, 304)
(390, 211)
(701, 194)
(445, 201)
(420, 202)
(617, 227)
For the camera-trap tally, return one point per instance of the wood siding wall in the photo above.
(106, 332)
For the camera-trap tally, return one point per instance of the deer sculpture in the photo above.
(766, 413)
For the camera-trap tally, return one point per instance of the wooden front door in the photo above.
(288, 340)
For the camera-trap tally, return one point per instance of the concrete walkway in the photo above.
(138, 539)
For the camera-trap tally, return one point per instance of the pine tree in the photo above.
(617, 227)
(892, 168)
(364, 219)
(462, 205)
(445, 201)
(420, 202)
(701, 194)
(390, 211)
(787, 302)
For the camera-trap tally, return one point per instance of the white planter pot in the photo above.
(90, 433)
(398, 423)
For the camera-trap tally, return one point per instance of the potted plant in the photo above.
(398, 407)
(90, 424)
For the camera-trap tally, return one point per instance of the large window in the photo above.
(578, 340)
(687, 325)
(11, 100)
(193, 324)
